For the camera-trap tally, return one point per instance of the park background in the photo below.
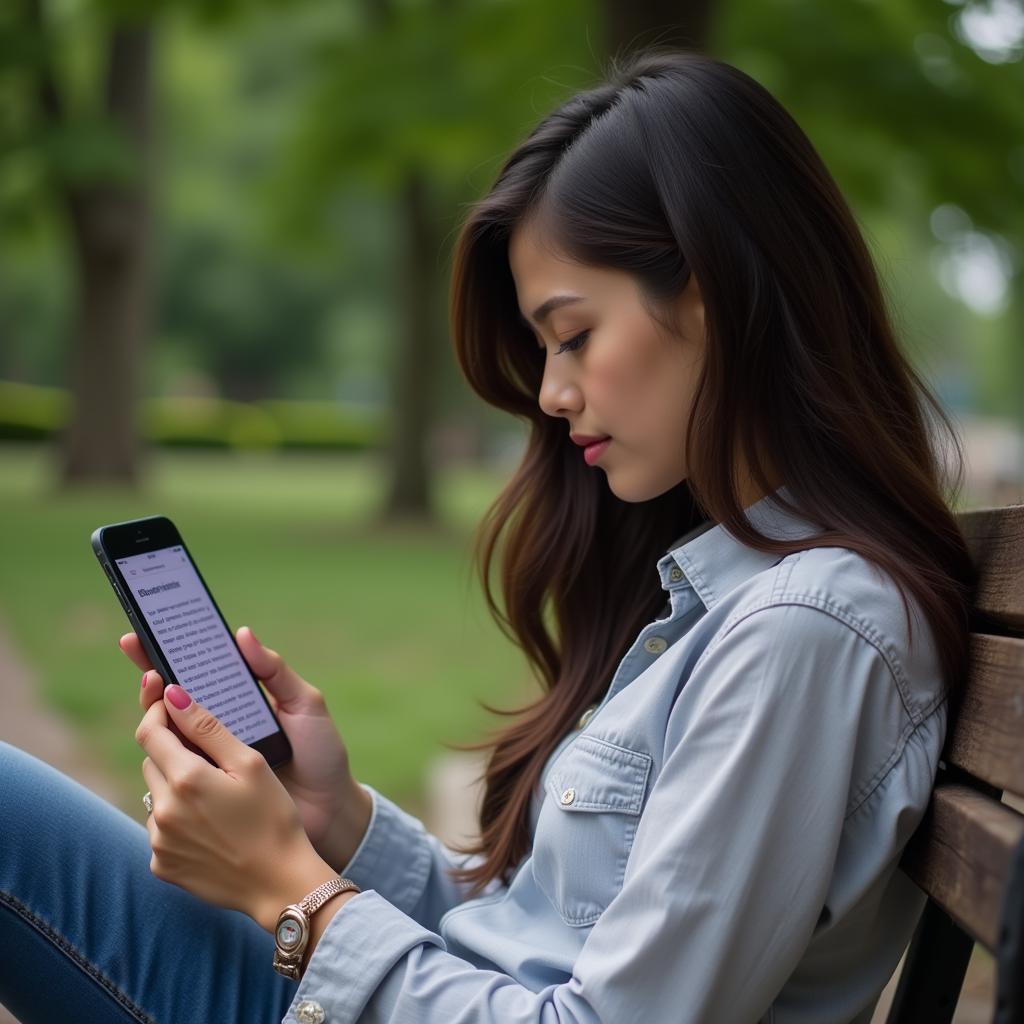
(225, 239)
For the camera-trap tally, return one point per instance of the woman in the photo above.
(728, 555)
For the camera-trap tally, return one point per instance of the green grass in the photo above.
(389, 623)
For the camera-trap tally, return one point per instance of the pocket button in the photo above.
(568, 796)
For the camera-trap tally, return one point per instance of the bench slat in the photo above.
(987, 739)
(994, 538)
(961, 855)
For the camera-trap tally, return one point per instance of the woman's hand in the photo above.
(333, 807)
(226, 831)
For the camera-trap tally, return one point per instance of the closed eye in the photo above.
(573, 343)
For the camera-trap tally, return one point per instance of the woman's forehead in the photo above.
(542, 274)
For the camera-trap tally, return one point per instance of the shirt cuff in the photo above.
(360, 944)
(394, 856)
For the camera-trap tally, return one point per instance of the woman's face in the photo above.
(625, 378)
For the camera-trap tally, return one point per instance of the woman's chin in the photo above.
(626, 490)
(636, 491)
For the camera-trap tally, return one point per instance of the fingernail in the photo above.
(144, 674)
(177, 696)
(254, 636)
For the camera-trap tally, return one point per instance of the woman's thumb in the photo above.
(269, 667)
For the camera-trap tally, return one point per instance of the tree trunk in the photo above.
(413, 377)
(631, 26)
(111, 228)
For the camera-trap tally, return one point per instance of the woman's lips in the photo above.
(594, 451)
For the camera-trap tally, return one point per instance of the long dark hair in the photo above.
(677, 164)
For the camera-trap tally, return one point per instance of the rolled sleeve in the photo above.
(393, 856)
(408, 865)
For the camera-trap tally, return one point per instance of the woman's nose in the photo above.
(558, 394)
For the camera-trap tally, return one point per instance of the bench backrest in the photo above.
(968, 854)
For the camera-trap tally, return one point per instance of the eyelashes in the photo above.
(568, 346)
(573, 343)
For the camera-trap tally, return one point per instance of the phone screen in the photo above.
(194, 640)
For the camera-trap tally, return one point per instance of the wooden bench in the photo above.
(968, 854)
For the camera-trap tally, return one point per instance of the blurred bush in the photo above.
(29, 412)
(332, 425)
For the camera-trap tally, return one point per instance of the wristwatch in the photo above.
(292, 931)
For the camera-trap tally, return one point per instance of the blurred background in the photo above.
(225, 237)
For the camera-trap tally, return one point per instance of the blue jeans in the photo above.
(88, 934)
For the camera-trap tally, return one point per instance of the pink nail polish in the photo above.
(177, 696)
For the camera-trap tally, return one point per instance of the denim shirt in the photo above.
(717, 843)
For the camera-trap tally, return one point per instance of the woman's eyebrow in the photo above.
(540, 314)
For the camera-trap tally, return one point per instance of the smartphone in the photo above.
(182, 630)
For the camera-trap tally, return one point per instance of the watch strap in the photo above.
(314, 900)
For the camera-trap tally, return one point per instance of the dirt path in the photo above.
(27, 723)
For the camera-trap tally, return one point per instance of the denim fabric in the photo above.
(89, 936)
(717, 844)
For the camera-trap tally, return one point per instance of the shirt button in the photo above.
(655, 644)
(586, 717)
(309, 1011)
(568, 796)
(676, 574)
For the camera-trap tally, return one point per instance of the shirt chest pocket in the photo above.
(594, 795)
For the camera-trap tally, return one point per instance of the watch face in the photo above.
(288, 933)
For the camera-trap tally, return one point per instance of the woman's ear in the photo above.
(690, 309)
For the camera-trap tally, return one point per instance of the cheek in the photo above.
(624, 378)
(607, 385)
(646, 393)
(641, 386)
(654, 403)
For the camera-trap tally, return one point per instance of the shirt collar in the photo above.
(714, 562)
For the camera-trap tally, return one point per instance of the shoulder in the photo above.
(815, 601)
(814, 651)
